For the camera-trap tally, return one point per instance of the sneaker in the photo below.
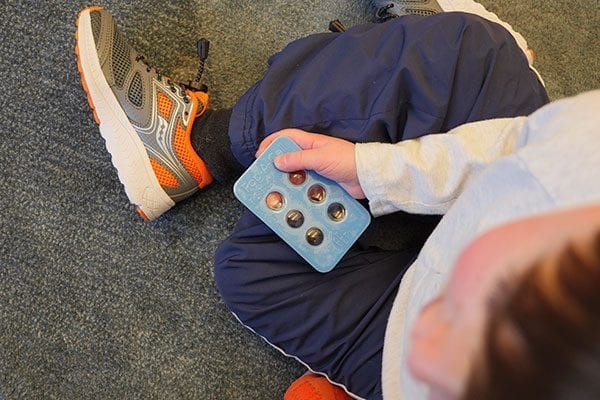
(144, 117)
(386, 10)
(312, 386)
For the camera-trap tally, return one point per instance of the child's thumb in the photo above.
(298, 160)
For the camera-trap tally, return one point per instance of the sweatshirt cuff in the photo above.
(374, 168)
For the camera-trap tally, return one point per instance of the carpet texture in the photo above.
(95, 303)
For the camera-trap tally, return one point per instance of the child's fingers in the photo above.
(299, 160)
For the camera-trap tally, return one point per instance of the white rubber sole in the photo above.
(127, 150)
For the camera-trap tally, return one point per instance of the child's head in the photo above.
(497, 324)
(542, 339)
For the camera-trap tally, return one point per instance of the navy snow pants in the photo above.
(377, 82)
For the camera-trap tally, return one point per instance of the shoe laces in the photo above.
(172, 85)
(194, 85)
(202, 46)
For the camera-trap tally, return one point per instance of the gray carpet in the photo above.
(95, 303)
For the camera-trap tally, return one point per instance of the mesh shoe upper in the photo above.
(160, 111)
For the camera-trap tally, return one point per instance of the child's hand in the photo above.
(330, 157)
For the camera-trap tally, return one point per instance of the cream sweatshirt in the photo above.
(478, 175)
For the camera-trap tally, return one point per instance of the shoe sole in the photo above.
(127, 150)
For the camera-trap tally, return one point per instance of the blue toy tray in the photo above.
(312, 214)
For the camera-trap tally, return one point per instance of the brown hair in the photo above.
(542, 339)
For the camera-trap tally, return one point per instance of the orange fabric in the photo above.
(196, 167)
(93, 8)
(314, 387)
(165, 177)
(165, 105)
(188, 156)
(202, 98)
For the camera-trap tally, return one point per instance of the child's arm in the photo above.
(426, 175)
(421, 176)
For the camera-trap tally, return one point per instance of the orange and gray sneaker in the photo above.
(311, 386)
(144, 117)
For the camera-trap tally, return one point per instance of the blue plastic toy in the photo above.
(312, 214)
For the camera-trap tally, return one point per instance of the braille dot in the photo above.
(336, 212)
(275, 201)
(297, 177)
(295, 218)
(317, 193)
(314, 236)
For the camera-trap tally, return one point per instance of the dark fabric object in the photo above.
(388, 82)
(335, 322)
(93, 302)
(211, 141)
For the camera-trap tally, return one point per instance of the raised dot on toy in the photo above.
(297, 177)
(275, 201)
(336, 212)
(317, 193)
(295, 218)
(314, 236)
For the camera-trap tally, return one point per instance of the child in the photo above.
(374, 84)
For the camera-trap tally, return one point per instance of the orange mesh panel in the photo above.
(165, 177)
(165, 105)
(188, 156)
